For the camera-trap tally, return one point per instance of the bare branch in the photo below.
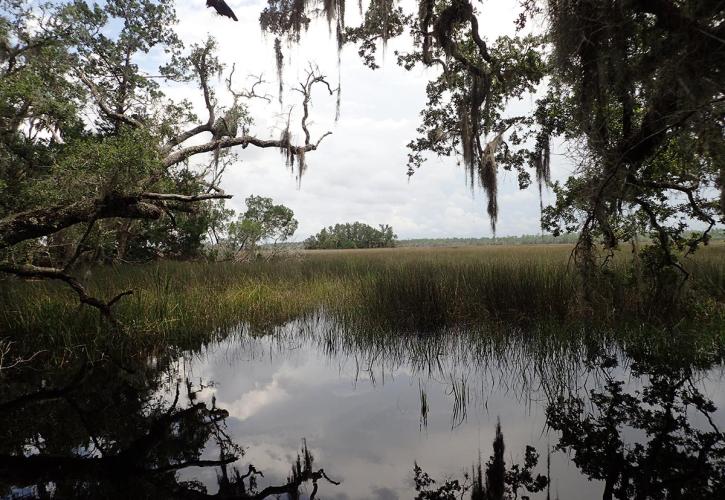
(184, 198)
(317, 144)
(313, 76)
(247, 94)
(31, 271)
(185, 136)
(79, 246)
(104, 105)
(294, 485)
(229, 142)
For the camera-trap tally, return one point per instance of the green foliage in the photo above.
(83, 119)
(525, 239)
(634, 88)
(263, 221)
(99, 165)
(642, 101)
(355, 235)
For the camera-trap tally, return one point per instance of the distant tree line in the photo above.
(526, 239)
(355, 235)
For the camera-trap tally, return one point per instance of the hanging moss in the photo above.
(301, 166)
(467, 142)
(279, 59)
(487, 172)
(722, 189)
(285, 147)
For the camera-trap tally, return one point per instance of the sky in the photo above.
(359, 172)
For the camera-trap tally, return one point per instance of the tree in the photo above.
(261, 222)
(634, 87)
(355, 235)
(94, 159)
(494, 482)
(638, 85)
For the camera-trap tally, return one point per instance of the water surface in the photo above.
(368, 406)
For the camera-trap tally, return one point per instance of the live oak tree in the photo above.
(465, 114)
(638, 87)
(263, 221)
(93, 155)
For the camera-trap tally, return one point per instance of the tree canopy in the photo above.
(96, 162)
(263, 221)
(352, 235)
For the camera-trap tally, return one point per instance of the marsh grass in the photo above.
(402, 290)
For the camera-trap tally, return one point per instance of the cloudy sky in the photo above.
(358, 174)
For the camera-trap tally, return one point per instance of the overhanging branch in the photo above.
(229, 142)
(45, 221)
(31, 271)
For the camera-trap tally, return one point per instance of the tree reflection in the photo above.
(657, 442)
(105, 431)
(493, 482)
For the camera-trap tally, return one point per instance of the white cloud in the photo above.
(255, 400)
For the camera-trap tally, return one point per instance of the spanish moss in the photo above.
(542, 166)
(489, 178)
(279, 59)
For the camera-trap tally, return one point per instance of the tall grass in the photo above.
(405, 290)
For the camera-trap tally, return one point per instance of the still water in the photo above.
(369, 407)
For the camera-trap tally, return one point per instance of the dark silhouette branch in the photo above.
(294, 485)
(31, 271)
(45, 221)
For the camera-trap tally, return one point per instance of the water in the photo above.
(368, 407)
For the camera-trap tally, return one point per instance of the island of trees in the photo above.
(355, 235)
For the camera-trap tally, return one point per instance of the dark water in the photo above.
(634, 423)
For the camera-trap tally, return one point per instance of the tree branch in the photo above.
(229, 142)
(294, 485)
(104, 105)
(184, 198)
(45, 221)
(31, 271)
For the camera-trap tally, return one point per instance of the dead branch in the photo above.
(247, 94)
(5, 347)
(79, 246)
(173, 157)
(31, 271)
(104, 105)
(292, 486)
(313, 76)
